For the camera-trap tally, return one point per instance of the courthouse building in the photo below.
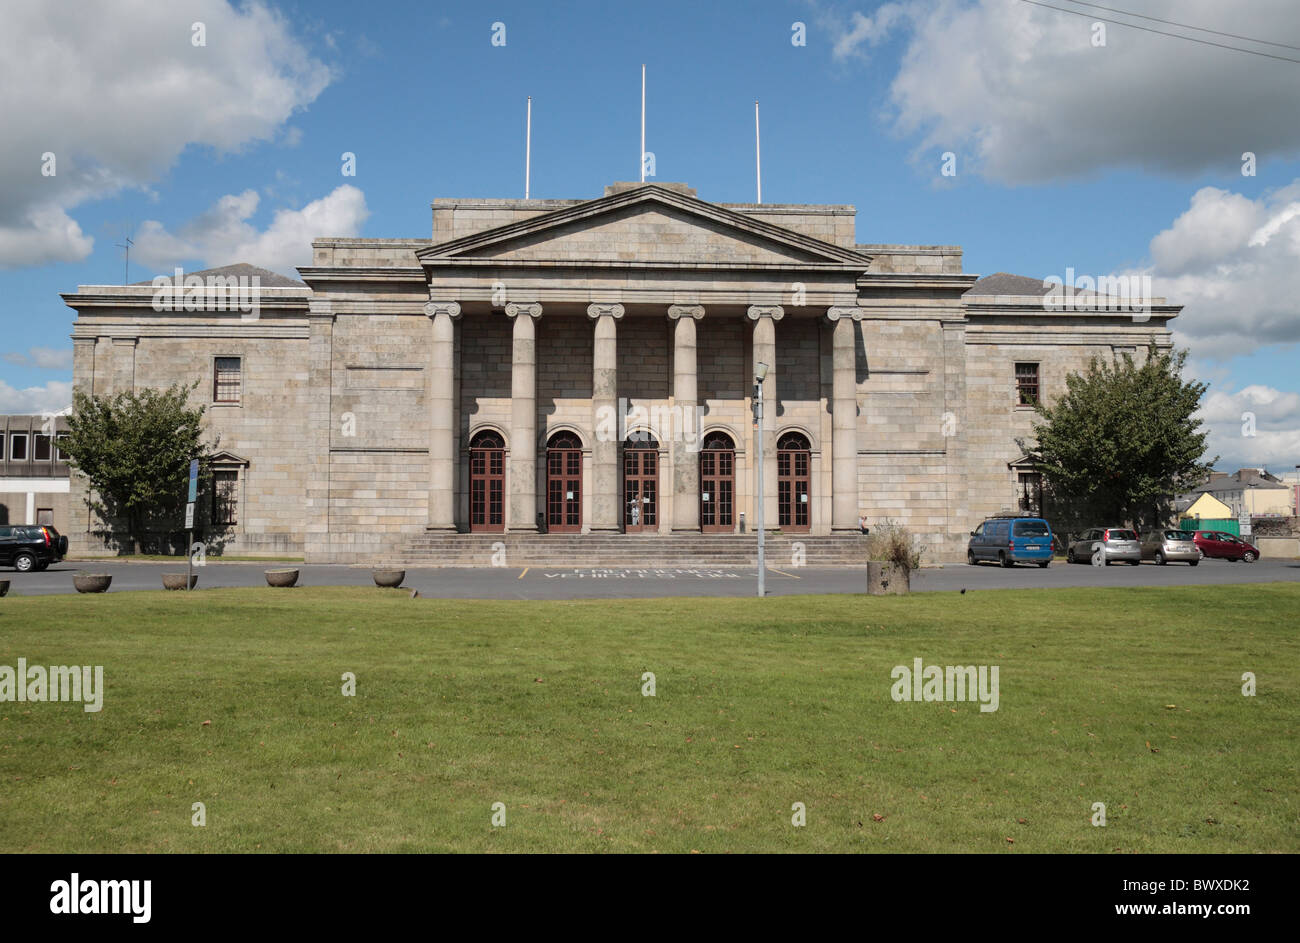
(587, 367)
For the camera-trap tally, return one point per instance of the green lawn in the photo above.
(1131, 697)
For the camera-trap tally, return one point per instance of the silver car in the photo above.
(1105, 545)
(1171, 546)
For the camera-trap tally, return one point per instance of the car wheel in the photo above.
(1248, 557)
(1044, 563)
(1135, 563)
(24, 562)
(1193, 562)
(970, 558)
(43, 566)
(1160, 558)
(1008, 564)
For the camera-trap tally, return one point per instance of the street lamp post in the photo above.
(760, 373)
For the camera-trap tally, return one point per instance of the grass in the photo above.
(1131, 697)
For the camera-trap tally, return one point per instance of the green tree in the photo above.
(135, 449)
(1121, 442)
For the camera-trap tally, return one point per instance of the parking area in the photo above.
(643, 582)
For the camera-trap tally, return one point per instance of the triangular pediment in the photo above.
(645, 226)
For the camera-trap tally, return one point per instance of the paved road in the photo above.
(631, 583)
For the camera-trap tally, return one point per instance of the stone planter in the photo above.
(91, 582)
(281, 577)
(4, 587)
(390, 579)
(177, 580)
(888, 579)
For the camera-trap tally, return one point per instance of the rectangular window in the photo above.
(41, 447)
(1027, 384)
(45, 516)
(59, 454)
(225, 497)
(226, 378)
(18, 447)
(1031, 492)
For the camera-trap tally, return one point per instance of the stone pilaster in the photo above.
(442, 415)
(685, 443)
(124, 364)
(844, 418)
(764, 351)
(523, 418)
(606, 503)
(320, 422)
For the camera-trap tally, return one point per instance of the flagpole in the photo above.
(528, 149)
(758, 155)
(642, 160)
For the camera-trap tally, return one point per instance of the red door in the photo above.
(640, 486)
(564, 483)
(717, 484)
(487, 480)
(793, 464)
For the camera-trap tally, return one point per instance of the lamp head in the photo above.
(760, 372)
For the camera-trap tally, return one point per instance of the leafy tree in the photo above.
(135, 449)
(1121, 442)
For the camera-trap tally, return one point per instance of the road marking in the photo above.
(521, 575)
(783, 573)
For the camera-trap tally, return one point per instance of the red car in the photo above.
(1215, 543)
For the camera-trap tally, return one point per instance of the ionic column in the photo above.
(442, 414)
(844, 419)
(523, 418)
(764, 351)
(606, 504)
(686, 440)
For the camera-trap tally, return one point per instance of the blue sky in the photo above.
(1068, 154)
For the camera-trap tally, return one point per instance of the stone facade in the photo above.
(891, 382)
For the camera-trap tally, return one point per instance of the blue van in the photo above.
(1011, 540)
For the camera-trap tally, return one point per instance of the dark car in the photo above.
(1215, 543)
(1009, 541)
(27, 547)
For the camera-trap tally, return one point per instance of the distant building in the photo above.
(33, 470)
(1250, 492)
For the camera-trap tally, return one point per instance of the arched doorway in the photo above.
(487, 483)
(717, 484)
(564, 483)
(793, 474)
(640, 483)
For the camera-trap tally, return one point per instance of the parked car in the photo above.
(27, 547)
(1215, 543)
(1011, 540)
(1114, 543)
(1171, 546)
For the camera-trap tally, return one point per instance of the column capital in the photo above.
(533, 310)
(685, 311)
(449, 308)
(833, 314)
(595, 311)
(775, 312)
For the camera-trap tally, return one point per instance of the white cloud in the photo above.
(117, 91)
(48, 358)
(871, 30)
(1273, 416)
(223, 235)
(1234, 263)
(1021, 95)
(33, 400)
